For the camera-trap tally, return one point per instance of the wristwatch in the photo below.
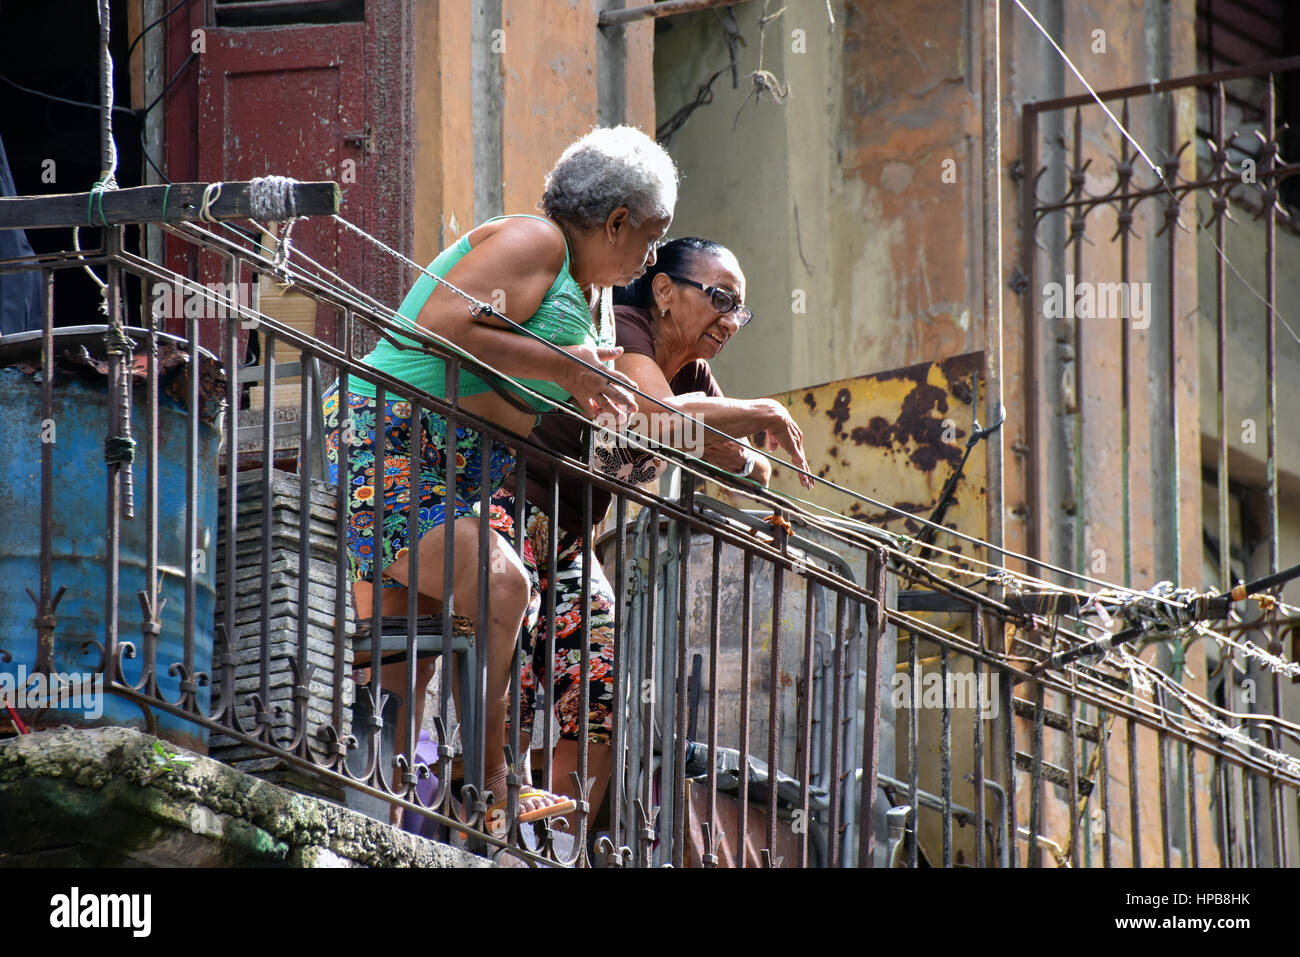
(751, 460)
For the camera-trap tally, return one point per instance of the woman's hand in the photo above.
(782, 432)
(596, 392)
(726, 454)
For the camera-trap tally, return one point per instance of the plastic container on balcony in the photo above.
(79, 554)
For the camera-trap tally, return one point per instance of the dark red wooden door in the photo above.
(291, 101)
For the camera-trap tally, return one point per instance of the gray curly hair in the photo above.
(608, 168)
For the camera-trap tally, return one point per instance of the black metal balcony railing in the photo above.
(812, 751)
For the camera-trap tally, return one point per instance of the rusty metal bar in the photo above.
(1125, 217)
(1172, 210)
(991, 124)
(1221, 330)
(667, 8)
(1269, 163)
(1165, 86)
(1033, 459)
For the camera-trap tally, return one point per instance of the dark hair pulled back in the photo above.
(673, 257)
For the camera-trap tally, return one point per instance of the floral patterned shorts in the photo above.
(394, 542)
(564, 670)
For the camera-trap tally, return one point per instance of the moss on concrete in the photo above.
(98, 797)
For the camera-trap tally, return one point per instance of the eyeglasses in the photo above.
(722, 300)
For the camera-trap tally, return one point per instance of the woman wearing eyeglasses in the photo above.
(671, 323)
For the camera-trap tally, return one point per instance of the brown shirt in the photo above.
(635, 331)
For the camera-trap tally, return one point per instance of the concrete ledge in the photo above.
(98, 798)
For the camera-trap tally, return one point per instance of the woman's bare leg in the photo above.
(508, 600)
(564, 764)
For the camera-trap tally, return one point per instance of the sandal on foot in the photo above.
(557, 804)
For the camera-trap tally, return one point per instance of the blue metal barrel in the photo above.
(80, 555)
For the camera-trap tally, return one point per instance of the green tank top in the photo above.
(562, 318)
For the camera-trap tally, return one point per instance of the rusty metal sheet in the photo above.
(895, 437)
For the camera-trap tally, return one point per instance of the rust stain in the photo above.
(839, 412)
(811, 401)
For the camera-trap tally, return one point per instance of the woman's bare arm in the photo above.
(514, 266)
(736, 417)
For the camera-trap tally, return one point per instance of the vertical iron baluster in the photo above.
(1268, 175)
(680, 703)
(774, 694)
(1135, 832)
(481, 640)
(746, 637)
(447, 661)
(1276, 812)
(1009, 742)
(1192, 829)
(302, 677)
(521, 760)
(342, 564)
(715, 576)
(1221, 359)
(116, 506)
(265, 731)
(1073, 736)
(46, 603)
(617, 838)
(188, 682)
(945, 756)
(913, 749)
(1036, 781)
(547, 690)
(977, 662)
(804, 742)
(375, 776)
(1126, 347)
(1172, 211)
(409, 689)
(585, 814)
(876, 583)
(646, 837)
(1103, 775)
(149, 600)
(837, 733)
(1162, 763)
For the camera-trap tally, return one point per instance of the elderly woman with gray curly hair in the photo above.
(608, 201)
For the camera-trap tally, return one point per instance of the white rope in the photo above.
(211, 193)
